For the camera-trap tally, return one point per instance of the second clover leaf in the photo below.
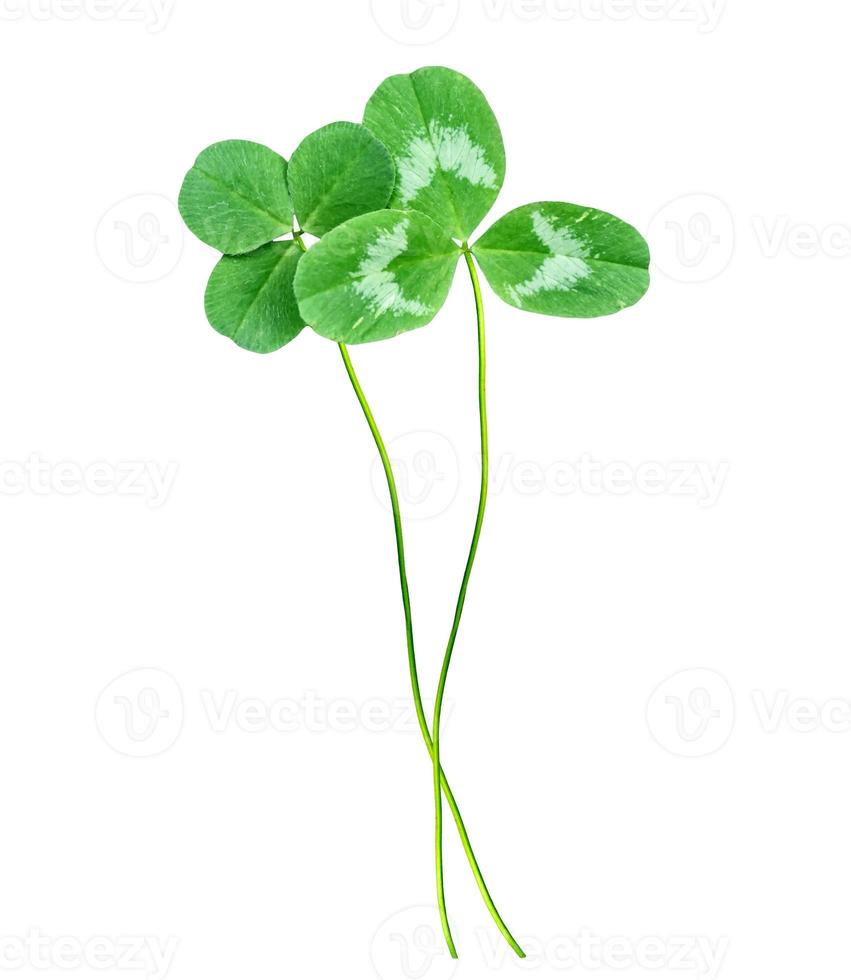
(445, 142)
(235, 198)
(564, 260)
(337, 173)
(376, 276)
(250, 297)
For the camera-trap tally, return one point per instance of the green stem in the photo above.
(459, 609)
(412, 661)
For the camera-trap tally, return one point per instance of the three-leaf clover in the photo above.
(548, 257)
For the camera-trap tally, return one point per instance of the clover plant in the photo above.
(393, 203)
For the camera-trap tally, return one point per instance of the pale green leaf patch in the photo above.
(337, 173)
(376, 276)
(446, 145)
(373, 279)
(564, 260)
(235, 198)
(250, 297)
(449, 149)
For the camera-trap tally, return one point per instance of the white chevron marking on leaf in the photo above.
(450, 148)
(565, 266)
(376, 285)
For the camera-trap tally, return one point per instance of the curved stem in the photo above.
(412, 661)
(459, 609)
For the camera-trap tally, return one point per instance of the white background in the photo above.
(243, 822)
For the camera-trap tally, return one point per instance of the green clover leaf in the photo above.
(564, 260)
(376, 276)
(250, 297)
(446, 144)
(337, 173)
(235, 198)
